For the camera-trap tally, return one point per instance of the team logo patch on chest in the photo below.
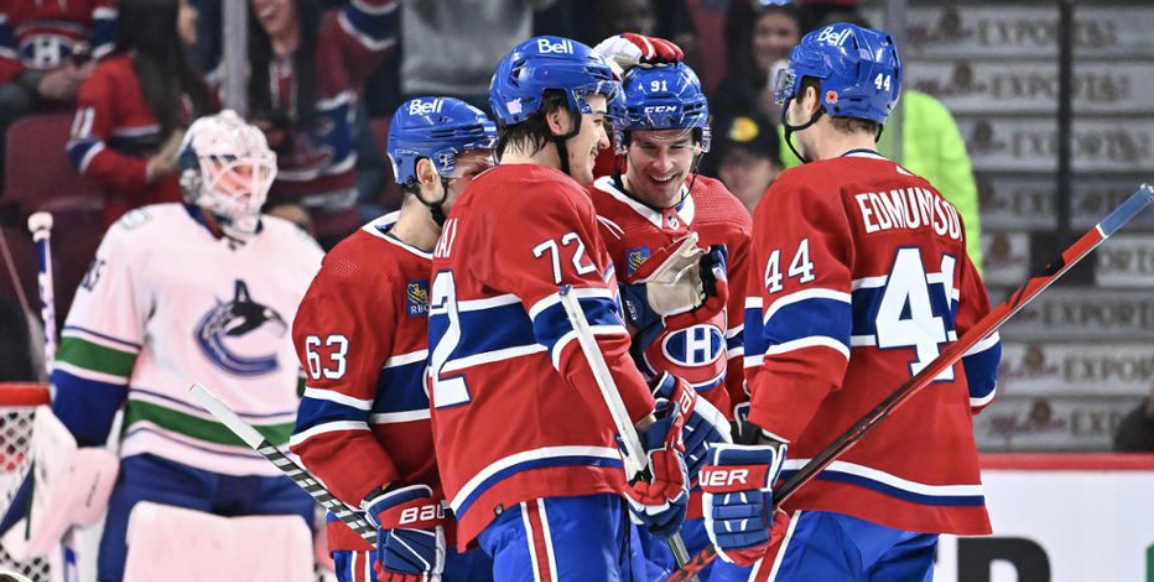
(694, 346)
(634, 258)
(242, 336)
(417, 298)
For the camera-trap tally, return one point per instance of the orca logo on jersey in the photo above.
(422, 107)
(564, 47)
(417, 298)
(242, 336)
(694, 346)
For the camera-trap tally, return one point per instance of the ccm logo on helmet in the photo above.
(426, 107)
(660, 109)
(724, 477)
(564, 47)
(431, 512)
(836, 39)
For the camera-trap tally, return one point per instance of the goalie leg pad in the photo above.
(184, 545)
(71, 487)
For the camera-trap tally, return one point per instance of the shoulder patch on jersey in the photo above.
(634, 258)
(417, 298)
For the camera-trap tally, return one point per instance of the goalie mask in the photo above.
(227, 168)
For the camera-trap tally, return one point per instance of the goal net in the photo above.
(18, 404)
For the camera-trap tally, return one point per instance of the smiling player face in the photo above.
(592, 138)
(659, 162)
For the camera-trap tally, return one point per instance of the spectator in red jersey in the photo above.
(308, 68)
(45, 53)
(133, 110)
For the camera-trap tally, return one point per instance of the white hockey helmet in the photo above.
(226, 166)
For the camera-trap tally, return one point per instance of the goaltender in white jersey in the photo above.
(200, 291)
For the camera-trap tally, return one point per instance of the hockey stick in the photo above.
(40, 224)
(635, 462)
(298, 474)
(989, 324)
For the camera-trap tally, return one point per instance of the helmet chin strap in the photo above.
(437, 208)
(790, 129)
(562, 141)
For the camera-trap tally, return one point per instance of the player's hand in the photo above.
(738, 502)
(629, 50)
(715, 290)
(164, 163)
(410, 534)
(659, 503)
(704, 423)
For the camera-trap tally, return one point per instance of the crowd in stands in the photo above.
(128, 76)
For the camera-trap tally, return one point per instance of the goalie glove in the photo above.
(628, 50)
(410, 534)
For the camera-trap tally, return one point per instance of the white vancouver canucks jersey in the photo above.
(166, 304)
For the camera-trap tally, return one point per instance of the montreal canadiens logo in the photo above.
(694, 346)
(241, 336)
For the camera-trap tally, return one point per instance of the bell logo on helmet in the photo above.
(834, 38)
(420, 107)
(561, 47)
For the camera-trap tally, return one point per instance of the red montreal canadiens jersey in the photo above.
(113, 135)
(43, 34)
(708, 356)
(361, 334)
(317, 167)
(517, 414)
(860, 278)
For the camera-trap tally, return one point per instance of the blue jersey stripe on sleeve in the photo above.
(85, 406)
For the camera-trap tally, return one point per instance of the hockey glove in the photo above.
(410, 534)
(658, 501)
(680, 285)
(704, 423)
(715, 290)
(738, 502)
(629, 50)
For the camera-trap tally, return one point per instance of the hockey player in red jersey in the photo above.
(361, 332)
(524, 441)
(669, 233)
(859, 278)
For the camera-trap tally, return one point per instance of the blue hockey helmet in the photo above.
(437, 128)
(548, 63)
(668, 97)
(859, 70)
